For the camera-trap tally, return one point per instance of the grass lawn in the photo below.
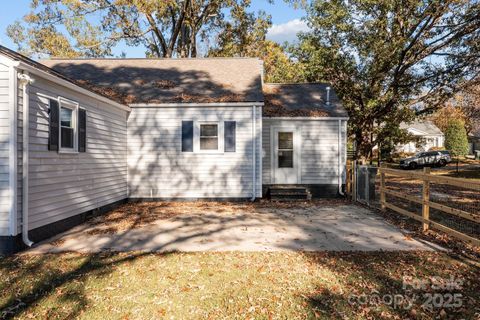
(281, 285)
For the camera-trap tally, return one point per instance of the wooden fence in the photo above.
(425, 201)
(350, 180)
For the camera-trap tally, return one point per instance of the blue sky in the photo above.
(287, 22)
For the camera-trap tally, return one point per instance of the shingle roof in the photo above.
(112, 95)
(169, 80)
(424, 126)
(301, 100)
(201, 80)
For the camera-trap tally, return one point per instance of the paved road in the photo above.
(337, 227)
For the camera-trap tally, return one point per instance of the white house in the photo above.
(474, 140)
(104, 131)
(427, 134)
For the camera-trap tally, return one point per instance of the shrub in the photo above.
(456, 137)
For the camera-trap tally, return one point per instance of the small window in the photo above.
(68, 126)
(68, 131)
(208, 136)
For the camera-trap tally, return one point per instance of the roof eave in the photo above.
(26, 67)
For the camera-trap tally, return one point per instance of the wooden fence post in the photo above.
(354, 180)
(348, 180)
(425, 200)
(382, 188)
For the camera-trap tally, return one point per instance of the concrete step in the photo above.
(289, 193)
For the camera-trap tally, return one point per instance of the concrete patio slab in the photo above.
(342, 227)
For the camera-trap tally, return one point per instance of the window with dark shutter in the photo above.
(187, 136)
(54, 125)
(230, 135)
(82, 130)
(67, 128)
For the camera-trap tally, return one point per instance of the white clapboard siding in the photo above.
(319, 150)
(4, 150)
(158, 168)
(64, 185)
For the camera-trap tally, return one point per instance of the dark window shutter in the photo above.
(54, 125)
(230, 135)
(82, 130)
(187, 136)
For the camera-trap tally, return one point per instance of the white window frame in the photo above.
(220, 136)
(72, 105)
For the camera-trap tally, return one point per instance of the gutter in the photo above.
(25, 80)
(339, 158)
(306, 118)
(195, 104)
(254, 161)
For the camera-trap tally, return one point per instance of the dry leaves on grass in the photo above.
(219, 285)
(456, 246)
(461, 198)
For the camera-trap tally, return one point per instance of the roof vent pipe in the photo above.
(328, 96)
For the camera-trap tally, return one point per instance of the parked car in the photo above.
(428, 158)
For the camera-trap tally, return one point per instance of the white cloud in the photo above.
(287, 31)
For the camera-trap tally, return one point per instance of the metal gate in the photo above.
(363, 186)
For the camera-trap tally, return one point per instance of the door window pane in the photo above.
(285, 159)
(285, 140)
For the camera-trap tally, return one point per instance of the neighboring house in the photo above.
(427, 135)
(104, 131)
(474, 140)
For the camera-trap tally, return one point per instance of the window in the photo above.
(68, 131)
(209, 136)
(68, 126)
(285, 149)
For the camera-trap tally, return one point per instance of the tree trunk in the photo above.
(182, 42)
(193, 43)
(358, 144)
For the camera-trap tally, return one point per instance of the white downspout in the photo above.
(340, 191)
(254, 162)
(25, 80)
